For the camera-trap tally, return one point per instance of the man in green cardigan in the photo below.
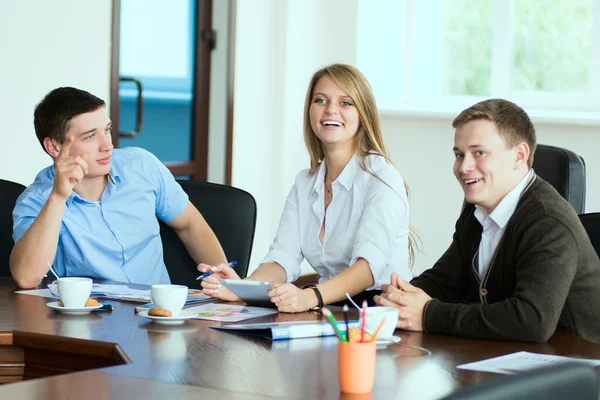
(521, 265)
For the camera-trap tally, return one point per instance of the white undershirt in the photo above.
(494, 224)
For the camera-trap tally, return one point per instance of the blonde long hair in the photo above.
(368, 138)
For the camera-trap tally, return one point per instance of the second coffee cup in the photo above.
(169, 297)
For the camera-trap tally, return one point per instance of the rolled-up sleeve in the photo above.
(383, 225)
(285, 249)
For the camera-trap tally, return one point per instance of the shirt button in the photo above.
(483, 292)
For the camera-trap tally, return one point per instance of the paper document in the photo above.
(522, 361)
(229, 313)
(38, 292)
(114, 292)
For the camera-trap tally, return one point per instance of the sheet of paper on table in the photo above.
(114, 292)
(229, 313)
(522, 361)
(117, 292)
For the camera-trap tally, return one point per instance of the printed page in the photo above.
(521, 361)
(228, 313)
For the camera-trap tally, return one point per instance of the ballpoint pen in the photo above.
(327, 313)
(209, 273)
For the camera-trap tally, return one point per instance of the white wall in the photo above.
(422, 149)
(44, 45)
(279, 44)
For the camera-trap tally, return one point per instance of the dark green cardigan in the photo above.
(544, 276)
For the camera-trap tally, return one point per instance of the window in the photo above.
(157, 44)
(452, 53)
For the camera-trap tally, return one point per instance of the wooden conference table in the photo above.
(121, 355)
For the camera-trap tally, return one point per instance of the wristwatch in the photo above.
(318, 293)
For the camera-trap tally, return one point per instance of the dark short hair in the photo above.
(512, 121)
(54, 113)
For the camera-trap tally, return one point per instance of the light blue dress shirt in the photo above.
(118, 237)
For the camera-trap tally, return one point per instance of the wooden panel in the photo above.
(6, 338)
(12, 362)
(39, 363)
(11, 355)
(64, 346)
(11, 378)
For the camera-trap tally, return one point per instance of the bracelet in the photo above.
(318, 293)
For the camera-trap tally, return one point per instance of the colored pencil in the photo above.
(364, 321)
(374, 338)
(333, 323)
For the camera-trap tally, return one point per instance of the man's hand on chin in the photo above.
(409, 300)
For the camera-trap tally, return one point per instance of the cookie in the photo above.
(88, 303)
(160, 312)
(92, 303)
(355, 335)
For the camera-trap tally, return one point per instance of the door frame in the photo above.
(197, 168)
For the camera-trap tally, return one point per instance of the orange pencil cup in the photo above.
(356, 366)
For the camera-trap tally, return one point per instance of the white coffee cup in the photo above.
(169, 297)
(374, 317)
(74, 292)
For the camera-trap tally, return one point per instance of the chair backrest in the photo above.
(231, 214)
(564, 170)
(9, 192)
(591, 223)
(562, 381)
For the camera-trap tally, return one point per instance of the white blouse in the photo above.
(366, 218)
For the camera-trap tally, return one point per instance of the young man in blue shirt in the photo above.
(94, 212)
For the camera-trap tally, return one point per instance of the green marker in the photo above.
(329, 316)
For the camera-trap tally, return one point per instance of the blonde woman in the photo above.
(347, 215)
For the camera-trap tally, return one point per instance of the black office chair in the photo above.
(564, 170)
(591, 223)
(558, 382)
(9, 192)
(230, 212)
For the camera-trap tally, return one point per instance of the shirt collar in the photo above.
(507, 206)
(113, 178)
(346, 177)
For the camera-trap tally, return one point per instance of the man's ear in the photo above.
(52, 147)
(522, 155)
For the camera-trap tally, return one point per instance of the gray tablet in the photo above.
(253, 293)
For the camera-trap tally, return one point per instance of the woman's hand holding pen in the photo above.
(211, 286)
(289, 298)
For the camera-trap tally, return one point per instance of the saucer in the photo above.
(178, 320)
(72, 310)
(383, 343)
